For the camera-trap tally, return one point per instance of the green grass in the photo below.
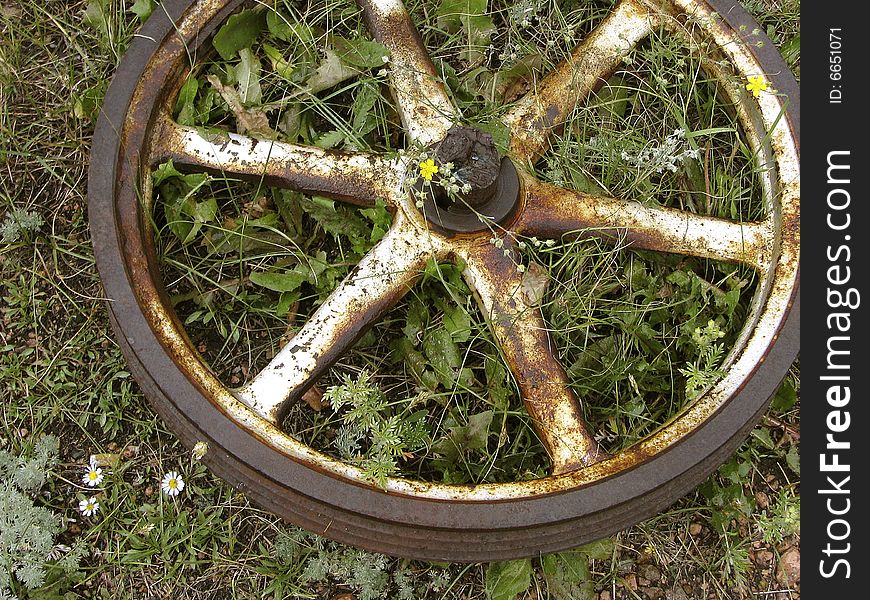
(62, 373)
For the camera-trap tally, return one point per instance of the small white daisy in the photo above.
(93, 475)
(89, 506)
(172, 483)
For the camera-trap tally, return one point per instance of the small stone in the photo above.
(695, 529)
(677, 593)
(652, 593)
(762, 500)
(763, 557)
(650, 572)
(788, 571)
(605, 595)
(631, 582)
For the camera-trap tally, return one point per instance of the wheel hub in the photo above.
(487, 183)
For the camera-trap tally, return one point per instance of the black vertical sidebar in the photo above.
(835, 270)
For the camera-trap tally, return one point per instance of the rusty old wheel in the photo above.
(589, 493)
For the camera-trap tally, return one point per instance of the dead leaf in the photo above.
(517, 80)
(534, 284)
(313, 397)
(110, 460)
(252, 121)
(330, 72)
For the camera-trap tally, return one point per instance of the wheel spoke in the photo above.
(379, 280)
(552, 212)
(352, 177)
(427, 112)
(509, 300)
(533, 118)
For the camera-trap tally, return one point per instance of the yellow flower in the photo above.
(427, 169)
(756, 85)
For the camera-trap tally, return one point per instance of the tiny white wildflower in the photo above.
(93, 474)
(89, 507)
(199, 450)
(172, 484)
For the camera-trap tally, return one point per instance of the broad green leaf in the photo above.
(463, 438)
(143, 8)
(416, 363)
(506, 580)
(477, 431)
(793, 459)
(177, 207)
(762, 434)
(287, 281)
(176, 194)
(336, 220)
(360, 52)
(457, 323)
(185, 107)
(567, 576)
(416, 320)
(785, 398)
(496, 383)
(444, 355)
(501, 134)
(240, 31)
(205, 211)
(96, 15)
(330, 72)
(163, 172)
(285, 302)
(283, 29)
(450, 13)
(599, 549)
(202, 212)
(247, 73)
(612, 98)
(87, 104)
(471, 17)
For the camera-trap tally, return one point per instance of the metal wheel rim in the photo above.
(243, 447)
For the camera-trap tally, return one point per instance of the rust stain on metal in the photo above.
(503, 295)
(533, 118)
(554, 212)
(351, 177)
(426, 110)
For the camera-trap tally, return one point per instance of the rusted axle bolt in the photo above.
(491, 184)
(475, 162)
